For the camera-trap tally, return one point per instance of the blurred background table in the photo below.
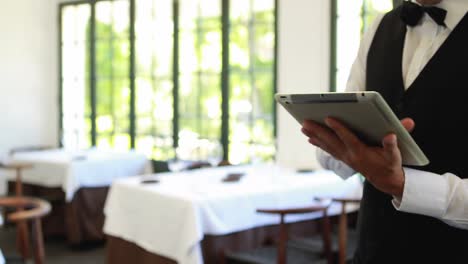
(76, 183)
(192, 217)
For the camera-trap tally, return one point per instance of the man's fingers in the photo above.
(390, 145)
(408, 123)
(318, 143)
(323, 137)
(307, 133)
(346, 136)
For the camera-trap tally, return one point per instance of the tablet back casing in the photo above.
(365, 113)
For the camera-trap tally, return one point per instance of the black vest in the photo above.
(438, 102)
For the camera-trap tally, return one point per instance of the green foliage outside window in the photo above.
(251, 77)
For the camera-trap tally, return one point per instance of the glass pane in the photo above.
(354, 18)
(104, 142)
(210, 51)
(240, 11)
(121, 18)
(262, 131)
(144, 92)
(75, 76)
(264, 46)
(121, 100)
(121, 142)
(252, 51)
(239, 48)
(209, 96)
(199, 80)
(121, 58)
(104, 54)
(264, 10)
(104, 98)
(163, 101)
(75, 23)
(188, 52)
(154, 87)
(104, 19)
(263, 90)
(112, 74)
(69, 22)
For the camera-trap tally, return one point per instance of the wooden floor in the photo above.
(57, 251)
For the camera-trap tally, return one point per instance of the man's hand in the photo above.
(380, 165)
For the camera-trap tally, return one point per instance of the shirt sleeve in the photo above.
(2, 260)
(444, 197)
(328, 162)
(357, 76)
(356, 82)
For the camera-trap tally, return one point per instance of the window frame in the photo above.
(334, 40)
(224, 76)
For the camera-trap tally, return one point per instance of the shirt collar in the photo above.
(456, 10)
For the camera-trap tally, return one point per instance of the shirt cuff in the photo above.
(424, 193)
(330, 163)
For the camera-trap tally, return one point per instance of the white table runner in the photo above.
(170, 218)
(72, 170)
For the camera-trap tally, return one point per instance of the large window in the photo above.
(350, 20)
(170, 77)
(75, 95)
(251, 63)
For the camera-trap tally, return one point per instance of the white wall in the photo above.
(304, 44)
(28, 73)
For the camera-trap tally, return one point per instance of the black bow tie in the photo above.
(411, 13)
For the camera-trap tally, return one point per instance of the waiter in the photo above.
(416, 57)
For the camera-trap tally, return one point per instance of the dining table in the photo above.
(76, 183)
(192, 217)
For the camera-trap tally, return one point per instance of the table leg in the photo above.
(22, 234)
(22, 239)
(343, 235)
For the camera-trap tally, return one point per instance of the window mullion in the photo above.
(132, 75)
(92, 66)
(175, 76)
(275, 69)
(225, 79)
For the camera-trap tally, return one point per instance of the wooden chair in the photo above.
(30, 148)
(343, 242)
(224, 163)
(32, 210)
(283, 253)
(22, 236)
(343, 233)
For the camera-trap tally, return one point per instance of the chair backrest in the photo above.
(283, 236)
(29, 148)
(343, 227)
(28, 209)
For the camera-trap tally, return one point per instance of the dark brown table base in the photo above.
(120, 251)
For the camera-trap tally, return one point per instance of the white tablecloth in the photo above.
(72, 170)
(171, 217)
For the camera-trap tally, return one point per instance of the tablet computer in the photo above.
(365, 113)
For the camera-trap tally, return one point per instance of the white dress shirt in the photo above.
(2, 260)
(441, 196)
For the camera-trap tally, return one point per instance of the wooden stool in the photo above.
(295, 256)
(22, 234)
(32, 210)
(17, 167)
(343, 227)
